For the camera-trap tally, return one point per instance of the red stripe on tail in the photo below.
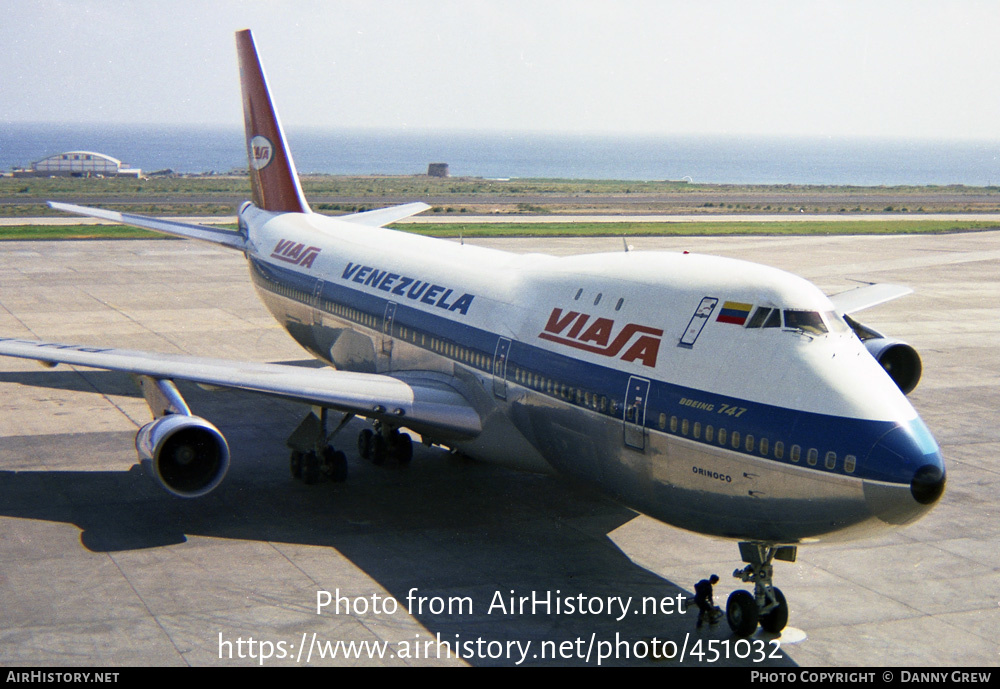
(273, 178)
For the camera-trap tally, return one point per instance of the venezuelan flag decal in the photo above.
(734, 312)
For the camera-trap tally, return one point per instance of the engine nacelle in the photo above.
(899, 360)
(186, 454)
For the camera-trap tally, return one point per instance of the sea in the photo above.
(701, 159)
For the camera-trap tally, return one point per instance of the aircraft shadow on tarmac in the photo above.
(444, 525)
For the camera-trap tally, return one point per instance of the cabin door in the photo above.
(318, 303)
(500, 368)
(634, 416)
(390, 316)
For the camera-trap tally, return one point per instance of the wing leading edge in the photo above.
(422, 402)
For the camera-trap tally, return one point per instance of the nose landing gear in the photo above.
(766, 606)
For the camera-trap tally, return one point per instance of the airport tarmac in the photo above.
(100, 567)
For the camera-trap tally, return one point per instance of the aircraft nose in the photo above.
(910, 459)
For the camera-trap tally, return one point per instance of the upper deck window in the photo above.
(806, 321)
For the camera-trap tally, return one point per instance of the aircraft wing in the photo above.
(384, 216)
(861, 298)
(228, 238)
(419, 401)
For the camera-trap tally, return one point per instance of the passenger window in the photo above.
(849, 463)
(749, 445)
(779, 450)
(684, 427)
(813, 456)
(673, 424)
(722, 436)
(709, 434)
(736, 440)
(697, 429)
(831, 460)
(663, 421)
(796, 453)
(764, 445)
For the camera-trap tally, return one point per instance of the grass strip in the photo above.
(684, 229)
(574, 229)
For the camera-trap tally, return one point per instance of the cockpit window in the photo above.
(765, 317)
(836, 322)
(806, 321)
(758, 317)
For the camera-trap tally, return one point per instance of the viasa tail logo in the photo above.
(574, 329)
(261, 152)
(296, 253)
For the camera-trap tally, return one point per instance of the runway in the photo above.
(100, 567)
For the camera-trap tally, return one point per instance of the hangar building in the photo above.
(79, 164)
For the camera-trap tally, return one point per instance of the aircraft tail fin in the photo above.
(273, 177)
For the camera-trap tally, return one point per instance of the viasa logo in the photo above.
(296, 253)
(261, 152)
(581, 331)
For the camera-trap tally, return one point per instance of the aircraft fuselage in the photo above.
(649, 375)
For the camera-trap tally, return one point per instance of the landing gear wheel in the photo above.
(776, 620)
(365, 443)
(310, 468)
(335, 464)
(741, 613)
(378, 449)
(402, 448)
(295, 464)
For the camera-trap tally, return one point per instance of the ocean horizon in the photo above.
(700, 159)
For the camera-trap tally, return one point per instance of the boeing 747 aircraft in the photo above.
(716, 395)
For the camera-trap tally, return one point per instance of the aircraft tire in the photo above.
(295, 464)
(335, 464)
(402, 448)
(379, 449)
(776, 620)
(365, 443)
(741, 613)
(310, 468)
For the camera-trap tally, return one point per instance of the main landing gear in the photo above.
(385, 442)
(766, 605)
(313, 456)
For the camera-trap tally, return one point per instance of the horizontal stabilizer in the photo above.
(384, 216)
(422, 401)
(865, 297)
(229, 238)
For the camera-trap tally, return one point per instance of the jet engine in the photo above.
(186, 454)
(899, 359)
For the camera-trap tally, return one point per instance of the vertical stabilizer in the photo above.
(273, 178)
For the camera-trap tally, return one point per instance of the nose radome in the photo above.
(911, 462)
(927, 485)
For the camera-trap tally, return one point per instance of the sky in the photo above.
(889, 68)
